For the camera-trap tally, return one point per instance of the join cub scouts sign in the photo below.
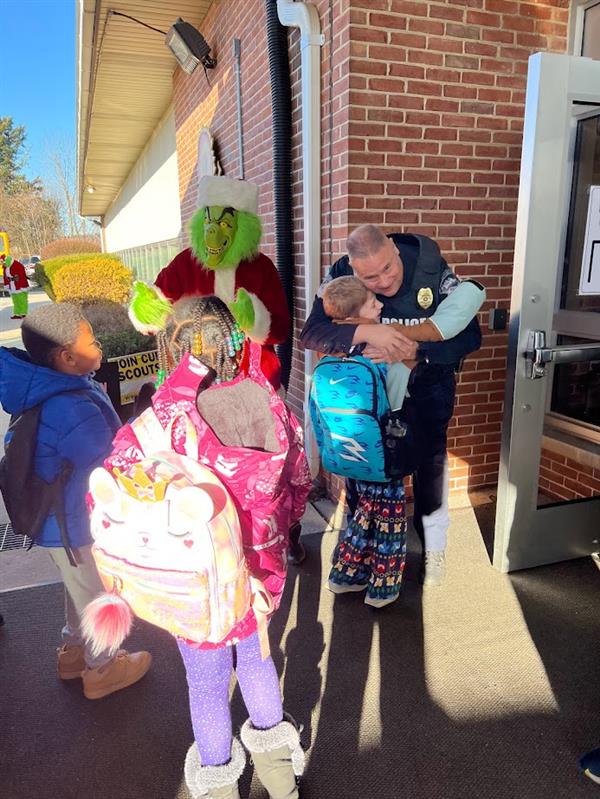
(134, 371)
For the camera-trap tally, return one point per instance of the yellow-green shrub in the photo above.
(52, 267)
(98, 277)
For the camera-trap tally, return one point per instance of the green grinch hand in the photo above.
(148, 310)
(242, 310)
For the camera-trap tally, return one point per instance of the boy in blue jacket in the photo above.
(77, 425)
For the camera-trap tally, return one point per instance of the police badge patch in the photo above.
(425, 298)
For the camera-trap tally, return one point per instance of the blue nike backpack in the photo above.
(347, 403)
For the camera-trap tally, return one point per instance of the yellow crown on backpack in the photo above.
(140, 485)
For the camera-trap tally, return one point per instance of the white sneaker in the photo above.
(336, 588)
(380, 603)
(434, 568)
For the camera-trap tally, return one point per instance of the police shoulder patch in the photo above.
(448, 281)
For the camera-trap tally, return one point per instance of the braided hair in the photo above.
(204, 327)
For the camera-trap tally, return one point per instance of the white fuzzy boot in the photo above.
(277, 756)
(214, 782)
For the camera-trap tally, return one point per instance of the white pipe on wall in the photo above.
(306, 17)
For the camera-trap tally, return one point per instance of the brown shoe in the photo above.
(123, 670)
(71, 662)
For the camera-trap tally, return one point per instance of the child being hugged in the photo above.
(238, 481)
(347, 301)
(371, 554)
(76, 426)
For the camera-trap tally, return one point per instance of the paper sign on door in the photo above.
(589, 282)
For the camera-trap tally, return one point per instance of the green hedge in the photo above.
(125, 342)
(113, 329)
(40, 278)
(48, 269)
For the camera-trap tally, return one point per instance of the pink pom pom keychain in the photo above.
(106, 622)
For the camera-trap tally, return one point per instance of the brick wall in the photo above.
(436, 114)
(422, 107)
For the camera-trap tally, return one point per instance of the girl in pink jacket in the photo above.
(252, 443)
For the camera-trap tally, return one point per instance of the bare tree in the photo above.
(61, 154)
(30, 218)
(30, 214)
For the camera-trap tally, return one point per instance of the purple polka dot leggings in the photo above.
(209, 675)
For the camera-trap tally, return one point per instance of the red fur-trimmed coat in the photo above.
(185, 276)
(15, 277)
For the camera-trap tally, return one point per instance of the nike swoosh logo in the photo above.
(332, 382)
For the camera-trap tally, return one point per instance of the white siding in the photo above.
(147, 208)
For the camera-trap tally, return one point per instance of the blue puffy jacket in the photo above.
(77, 424)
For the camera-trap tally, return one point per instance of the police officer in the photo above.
(409, 276)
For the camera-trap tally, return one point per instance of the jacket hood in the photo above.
(23, 384)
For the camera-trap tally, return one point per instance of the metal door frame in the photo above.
(526, 535)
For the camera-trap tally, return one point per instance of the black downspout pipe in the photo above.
(281, 102)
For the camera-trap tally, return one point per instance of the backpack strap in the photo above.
(153, 437)
(59, 485)
(190, 443)
(149, 432)
(263, 607)
(58, 505)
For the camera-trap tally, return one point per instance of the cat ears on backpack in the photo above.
(192, 503)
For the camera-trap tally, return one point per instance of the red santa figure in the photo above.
(224, 260)
(15, 281)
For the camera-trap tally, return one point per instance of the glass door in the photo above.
(549, 486)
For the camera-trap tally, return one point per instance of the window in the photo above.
(574, 407)
(590, 44)
(584, 38)
(586, 173)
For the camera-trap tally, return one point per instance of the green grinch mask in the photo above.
(222, 237)
(220, 227)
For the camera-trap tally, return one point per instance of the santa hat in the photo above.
(228, 192)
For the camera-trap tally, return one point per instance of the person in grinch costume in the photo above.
(17, 285)
(224, 260)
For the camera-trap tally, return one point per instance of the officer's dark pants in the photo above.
(429, 408)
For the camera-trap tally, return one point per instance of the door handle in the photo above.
(538, 354)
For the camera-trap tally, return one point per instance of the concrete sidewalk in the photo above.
(483, 687)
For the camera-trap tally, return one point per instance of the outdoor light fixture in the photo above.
(189, 47)
(90, 189)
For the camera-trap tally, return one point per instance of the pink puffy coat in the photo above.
(268, 488)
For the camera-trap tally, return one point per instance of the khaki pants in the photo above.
(82, 584)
